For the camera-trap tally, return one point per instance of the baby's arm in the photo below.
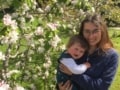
(73, 67)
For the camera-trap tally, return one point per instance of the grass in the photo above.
(115, 37)
(116, 83)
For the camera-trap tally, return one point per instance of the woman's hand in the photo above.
(88, 65)
(64, 69)
(66, 86)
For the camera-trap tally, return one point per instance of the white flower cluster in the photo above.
(41, 49)
(4, 86)
(25, 8)
(7, 20)
(54, 41)
(12, 37)
(63, 47)
(2, 56)
(48, 63)
(74, 2)
(39, 31)
(18, 88)
(12, 72)
(53, 26)
(41, 42)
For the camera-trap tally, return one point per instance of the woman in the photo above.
(101, 55)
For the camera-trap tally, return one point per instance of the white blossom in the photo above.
(26, 77)
(22, 19)
(4, 86)
(41, 42)
(54, 41)
(52, 86)
(18, 88)
(7, 19)
(34, 4)
(62, 47)
(38, 68)
(46, 73)
(93, 9)
(41, 49)
(54, 1)
(30, 59)
(25, 7)
(48, 62)
(13, 36)
(2, 56)
(39, 31)
(56, 38)
(55, 71)
(18, 64)
(28, 36)
(32, 45)
(33, 87)
(61, 10)
(47, 8)
(14, 15)
(43, 77)
(4, 39)
(81, 12)
(13, 24)
(34, 76)
(30, 17)
(74, 2)
(40, 10)
(46, 65)
(47, 58)
(31, 52)
(12, 72)
(53, 26)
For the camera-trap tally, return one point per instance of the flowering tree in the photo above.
(30, 40)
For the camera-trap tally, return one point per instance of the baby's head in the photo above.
(76, 46)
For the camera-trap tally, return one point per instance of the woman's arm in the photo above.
(103, 82)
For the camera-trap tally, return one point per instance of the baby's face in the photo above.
(76, 51)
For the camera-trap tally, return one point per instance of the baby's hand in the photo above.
(87, 64)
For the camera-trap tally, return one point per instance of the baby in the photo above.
(76, 48)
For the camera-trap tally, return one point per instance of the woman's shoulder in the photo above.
(112, 55)
(111, 51)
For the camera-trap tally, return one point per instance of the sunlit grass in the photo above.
(115, 37)
(116, 83)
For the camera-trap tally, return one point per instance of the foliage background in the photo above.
(31, 43)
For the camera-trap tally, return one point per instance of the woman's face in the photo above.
(92, 33)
